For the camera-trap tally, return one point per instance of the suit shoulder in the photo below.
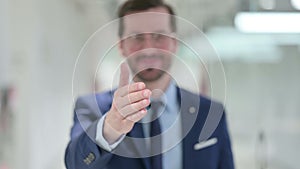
(87, 97)
(204, 100)
(102, 98)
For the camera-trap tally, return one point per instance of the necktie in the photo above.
(156, 142)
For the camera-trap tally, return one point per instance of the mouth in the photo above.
(149, 69)
(150, 74)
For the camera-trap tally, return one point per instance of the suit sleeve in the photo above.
(82, 151)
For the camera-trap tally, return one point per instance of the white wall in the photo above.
(46, 37)
(4, 43)
(265, 97)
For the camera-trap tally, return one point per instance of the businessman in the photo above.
(148, 122)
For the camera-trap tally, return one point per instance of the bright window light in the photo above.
(296, 4)
(260, 22)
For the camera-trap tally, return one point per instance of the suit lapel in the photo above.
(189, 108)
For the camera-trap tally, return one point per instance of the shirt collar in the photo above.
(169, 98)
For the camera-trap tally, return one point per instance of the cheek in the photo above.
(171, 46)
(128, 51)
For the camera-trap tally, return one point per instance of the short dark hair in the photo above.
(131, 6)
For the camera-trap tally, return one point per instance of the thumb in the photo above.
(124, 75)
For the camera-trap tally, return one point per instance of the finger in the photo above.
(135, 107)
(137, 116)
(123, 91)
(134, 97)
(124, 75)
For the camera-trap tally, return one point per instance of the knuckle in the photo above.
(140, 94)
(136, 106)
(140, 105)
(116, 93)
(132, 87)
(131, 98)
(116, 103)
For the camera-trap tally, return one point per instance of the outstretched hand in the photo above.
(128, 107)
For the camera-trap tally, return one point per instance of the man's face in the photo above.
(147, 43)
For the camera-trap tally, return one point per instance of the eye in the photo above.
(155, 36)
(158, 37)
(137, 37)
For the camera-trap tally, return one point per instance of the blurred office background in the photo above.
(258, 42)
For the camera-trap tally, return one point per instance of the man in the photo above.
(120, 138)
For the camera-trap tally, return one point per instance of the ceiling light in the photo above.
(268, 22)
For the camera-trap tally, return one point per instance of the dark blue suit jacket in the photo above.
(83, 153)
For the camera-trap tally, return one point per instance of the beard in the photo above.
(149, 68)
(150, 74)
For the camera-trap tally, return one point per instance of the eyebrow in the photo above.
(159, 32)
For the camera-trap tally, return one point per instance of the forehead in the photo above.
(151, 20)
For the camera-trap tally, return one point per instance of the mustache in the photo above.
(140, 57)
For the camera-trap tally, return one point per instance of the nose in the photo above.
(148, 45)
(148, 42)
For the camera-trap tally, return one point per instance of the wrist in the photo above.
(110, 134)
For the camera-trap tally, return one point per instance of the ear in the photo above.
(175, 45)
(121, 47)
